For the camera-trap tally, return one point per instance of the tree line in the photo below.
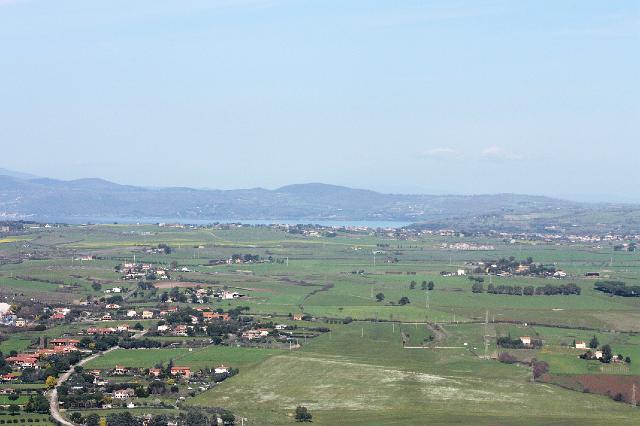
(516, 290)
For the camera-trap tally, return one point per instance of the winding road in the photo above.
(54, 405)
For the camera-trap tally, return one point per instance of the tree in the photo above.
(76, 417)
(593, 343)
(92, 420)
(627, 360)
(37, 404)
(160, 420)
(423, 286)
(123, 419)
(51, 382)
(607, 354)
(302, 414)
(196, 418)
(379, 297)
(412, 285)
(404, 300)
(228, 418)
(430, 286)
(14, 409)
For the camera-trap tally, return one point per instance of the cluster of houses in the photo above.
(8, 318)
(140, 271)
(32, 359)
(177, 372)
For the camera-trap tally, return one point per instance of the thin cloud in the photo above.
(442, 152)
(496, 152)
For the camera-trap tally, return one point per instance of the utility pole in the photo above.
(486, 332)
(633, 395)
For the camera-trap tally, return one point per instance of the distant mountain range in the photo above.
(96, 200)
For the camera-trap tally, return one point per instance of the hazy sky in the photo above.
(538, 97)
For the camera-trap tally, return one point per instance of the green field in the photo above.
(358, 373)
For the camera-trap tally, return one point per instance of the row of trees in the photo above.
(617, 288)
(515, 290)
(423, 286)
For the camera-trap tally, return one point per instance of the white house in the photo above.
(581, 345)
(221, 369)
(124, 393)
(526, 340)
(462, 272)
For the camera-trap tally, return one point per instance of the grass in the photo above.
(346, 378)
(358, 373)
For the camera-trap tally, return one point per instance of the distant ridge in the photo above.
(17, 175)
(98, 200)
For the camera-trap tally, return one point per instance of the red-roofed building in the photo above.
(215, 316)
(23, 361)
(181, 371)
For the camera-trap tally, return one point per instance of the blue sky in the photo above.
(538, 97)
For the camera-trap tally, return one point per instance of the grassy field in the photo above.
(359, 373)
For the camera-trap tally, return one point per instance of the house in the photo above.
(21, 322)
(526, 340)
(120, 369)
(180, 330)
(581, 345)
(43, 353)
(124, 393)
(112, 306)
(132, 314)
(598, 354)
(23, 361)
(155, 372)
(9, 377)
(64, 342)
(297, 317)
(255, 334)
(163, 327)
(123, 327)
(222, 369)
(106, 317)
(64, 349)
(227, 295)
(57, 316)
(461, 272)
(102, 330)
(181, 371)
(208, 316)
(116, 290)
(147, 314)
(281, 327)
